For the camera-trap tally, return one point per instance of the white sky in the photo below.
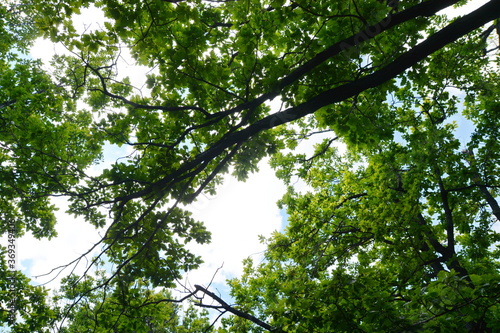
(236, 216)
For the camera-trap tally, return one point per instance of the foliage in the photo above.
(396, 234)
(24, 308)
(45, 142)
(134, 307)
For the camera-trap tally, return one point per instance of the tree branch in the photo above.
(449, 34)
(495, 208)
(427, 8)
(235, 311)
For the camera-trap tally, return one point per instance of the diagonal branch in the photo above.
(447, 35)
(490, 199)
(427, 8)
(235, 311)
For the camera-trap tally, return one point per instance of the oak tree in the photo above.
(395, 234)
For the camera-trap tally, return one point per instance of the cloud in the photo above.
(39, 257)
(237, 216)
(463, 10)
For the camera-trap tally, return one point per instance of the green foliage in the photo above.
(128, 307)
(20, 299)
(395, 234)
(45, 143)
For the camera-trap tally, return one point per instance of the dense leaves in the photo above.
(396, 230)
(45, 142)
(400, 235)
(133, 307)
(23, 307)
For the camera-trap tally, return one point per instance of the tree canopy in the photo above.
(395, 232)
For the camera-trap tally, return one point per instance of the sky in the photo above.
(236, 216)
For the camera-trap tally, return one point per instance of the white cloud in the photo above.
(236, 216)
(463, 10)
(75, 237)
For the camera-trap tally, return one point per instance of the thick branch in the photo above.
(449, 34)
(495, 208)
(436, 245)
(448, 215)
(427, 8)
(7, 103)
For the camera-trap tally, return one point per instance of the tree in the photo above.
(364, 70)
(24, 307)
(400, 238)
(46, 142)
(397, 236)
(44, 147)
(134, 307)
